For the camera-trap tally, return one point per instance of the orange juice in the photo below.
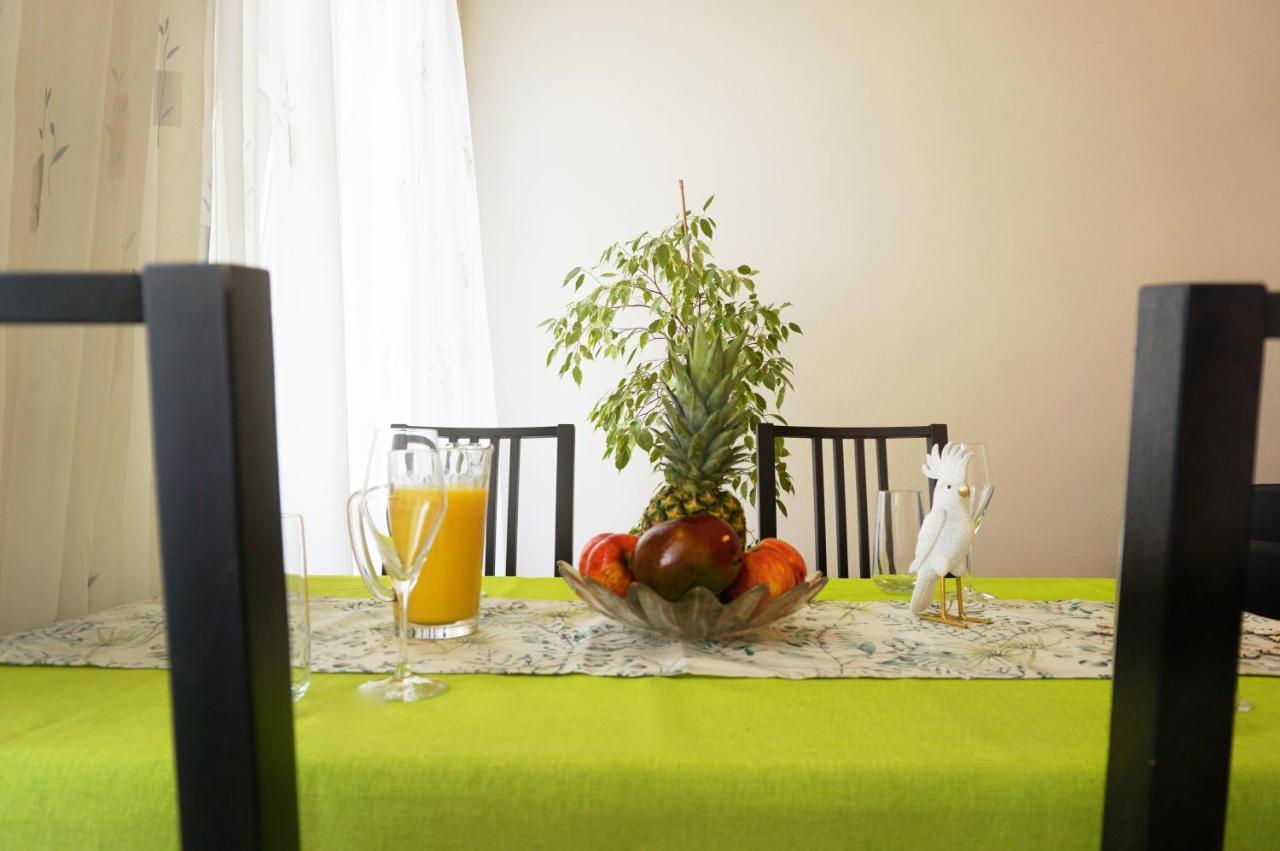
(448, 589)
(410, 511)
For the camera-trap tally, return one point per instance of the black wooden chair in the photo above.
(1186, 572)
(1264, 552)
(564, 438)
(768, 436)
(213, 415)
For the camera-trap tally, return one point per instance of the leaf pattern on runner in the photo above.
(1030, 639)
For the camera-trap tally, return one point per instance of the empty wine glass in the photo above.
(297, 608)
(389, 439)
(981, 485)
(400, 515)
(981, 488)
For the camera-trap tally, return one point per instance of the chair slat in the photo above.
(882, 465)
(766, 481)
(513, 504)
(819, 507)
(842, 515)
(89, 297)
(860, 486)
(937, 437)
(564, 495)
(491, 511)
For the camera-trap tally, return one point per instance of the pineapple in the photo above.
(692, 415)
(701, 438)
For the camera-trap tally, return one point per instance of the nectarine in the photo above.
(791, 554)
(763, 566)
(586, 550)
(609, 562)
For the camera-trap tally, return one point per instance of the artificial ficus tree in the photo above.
(641, 303)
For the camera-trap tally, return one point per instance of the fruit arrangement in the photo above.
(693, 409)
(690, 579)
(701, 551)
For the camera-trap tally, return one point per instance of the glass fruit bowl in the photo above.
(698, 615)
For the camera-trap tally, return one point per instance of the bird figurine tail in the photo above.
(923, 593)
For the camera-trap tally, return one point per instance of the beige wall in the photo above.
(961, 199)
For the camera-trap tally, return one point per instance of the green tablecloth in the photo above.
(580, 761)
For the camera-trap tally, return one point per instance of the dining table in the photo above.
(581, 761)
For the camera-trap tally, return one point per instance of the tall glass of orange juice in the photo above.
(446, 601)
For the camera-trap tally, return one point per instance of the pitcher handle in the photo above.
(360, 549)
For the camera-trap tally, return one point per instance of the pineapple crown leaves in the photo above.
(703, 420)
(662, 305)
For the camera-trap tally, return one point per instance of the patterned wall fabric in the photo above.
(104, 164)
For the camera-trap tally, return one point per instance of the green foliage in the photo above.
(640, 304)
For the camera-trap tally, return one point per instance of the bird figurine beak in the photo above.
(963, 490)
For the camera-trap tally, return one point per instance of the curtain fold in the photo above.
(343, 165)
(103, 165)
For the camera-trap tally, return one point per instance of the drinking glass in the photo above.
(981, 488)
(981, 485)
(899, 515)
(297, 603)
(400, 516)
(446, 601)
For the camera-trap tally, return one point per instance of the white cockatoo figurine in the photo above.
(945, 536)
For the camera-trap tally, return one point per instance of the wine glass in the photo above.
(981, 485)
(385, 441)
(294, 542)
(981, 488)
(389, 439)
(400, 516)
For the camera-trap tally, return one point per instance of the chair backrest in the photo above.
(213, 416)
(1263, 587)
(1185, 565)
(564, 438)
(1264, 521)
(768, 441)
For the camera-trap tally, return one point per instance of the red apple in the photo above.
(608, 562)
(791, 554)
(765, 566)
(699, 551)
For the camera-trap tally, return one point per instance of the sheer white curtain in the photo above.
(103, 129)
(343, 165)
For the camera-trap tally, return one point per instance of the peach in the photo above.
(765, 566)
(586, 550)
(609, 562)
(791, 554)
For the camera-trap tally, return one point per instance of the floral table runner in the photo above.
(1029, 639)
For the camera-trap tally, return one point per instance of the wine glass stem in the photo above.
(402, 596)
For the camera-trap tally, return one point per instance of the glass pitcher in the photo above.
(445, 602)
